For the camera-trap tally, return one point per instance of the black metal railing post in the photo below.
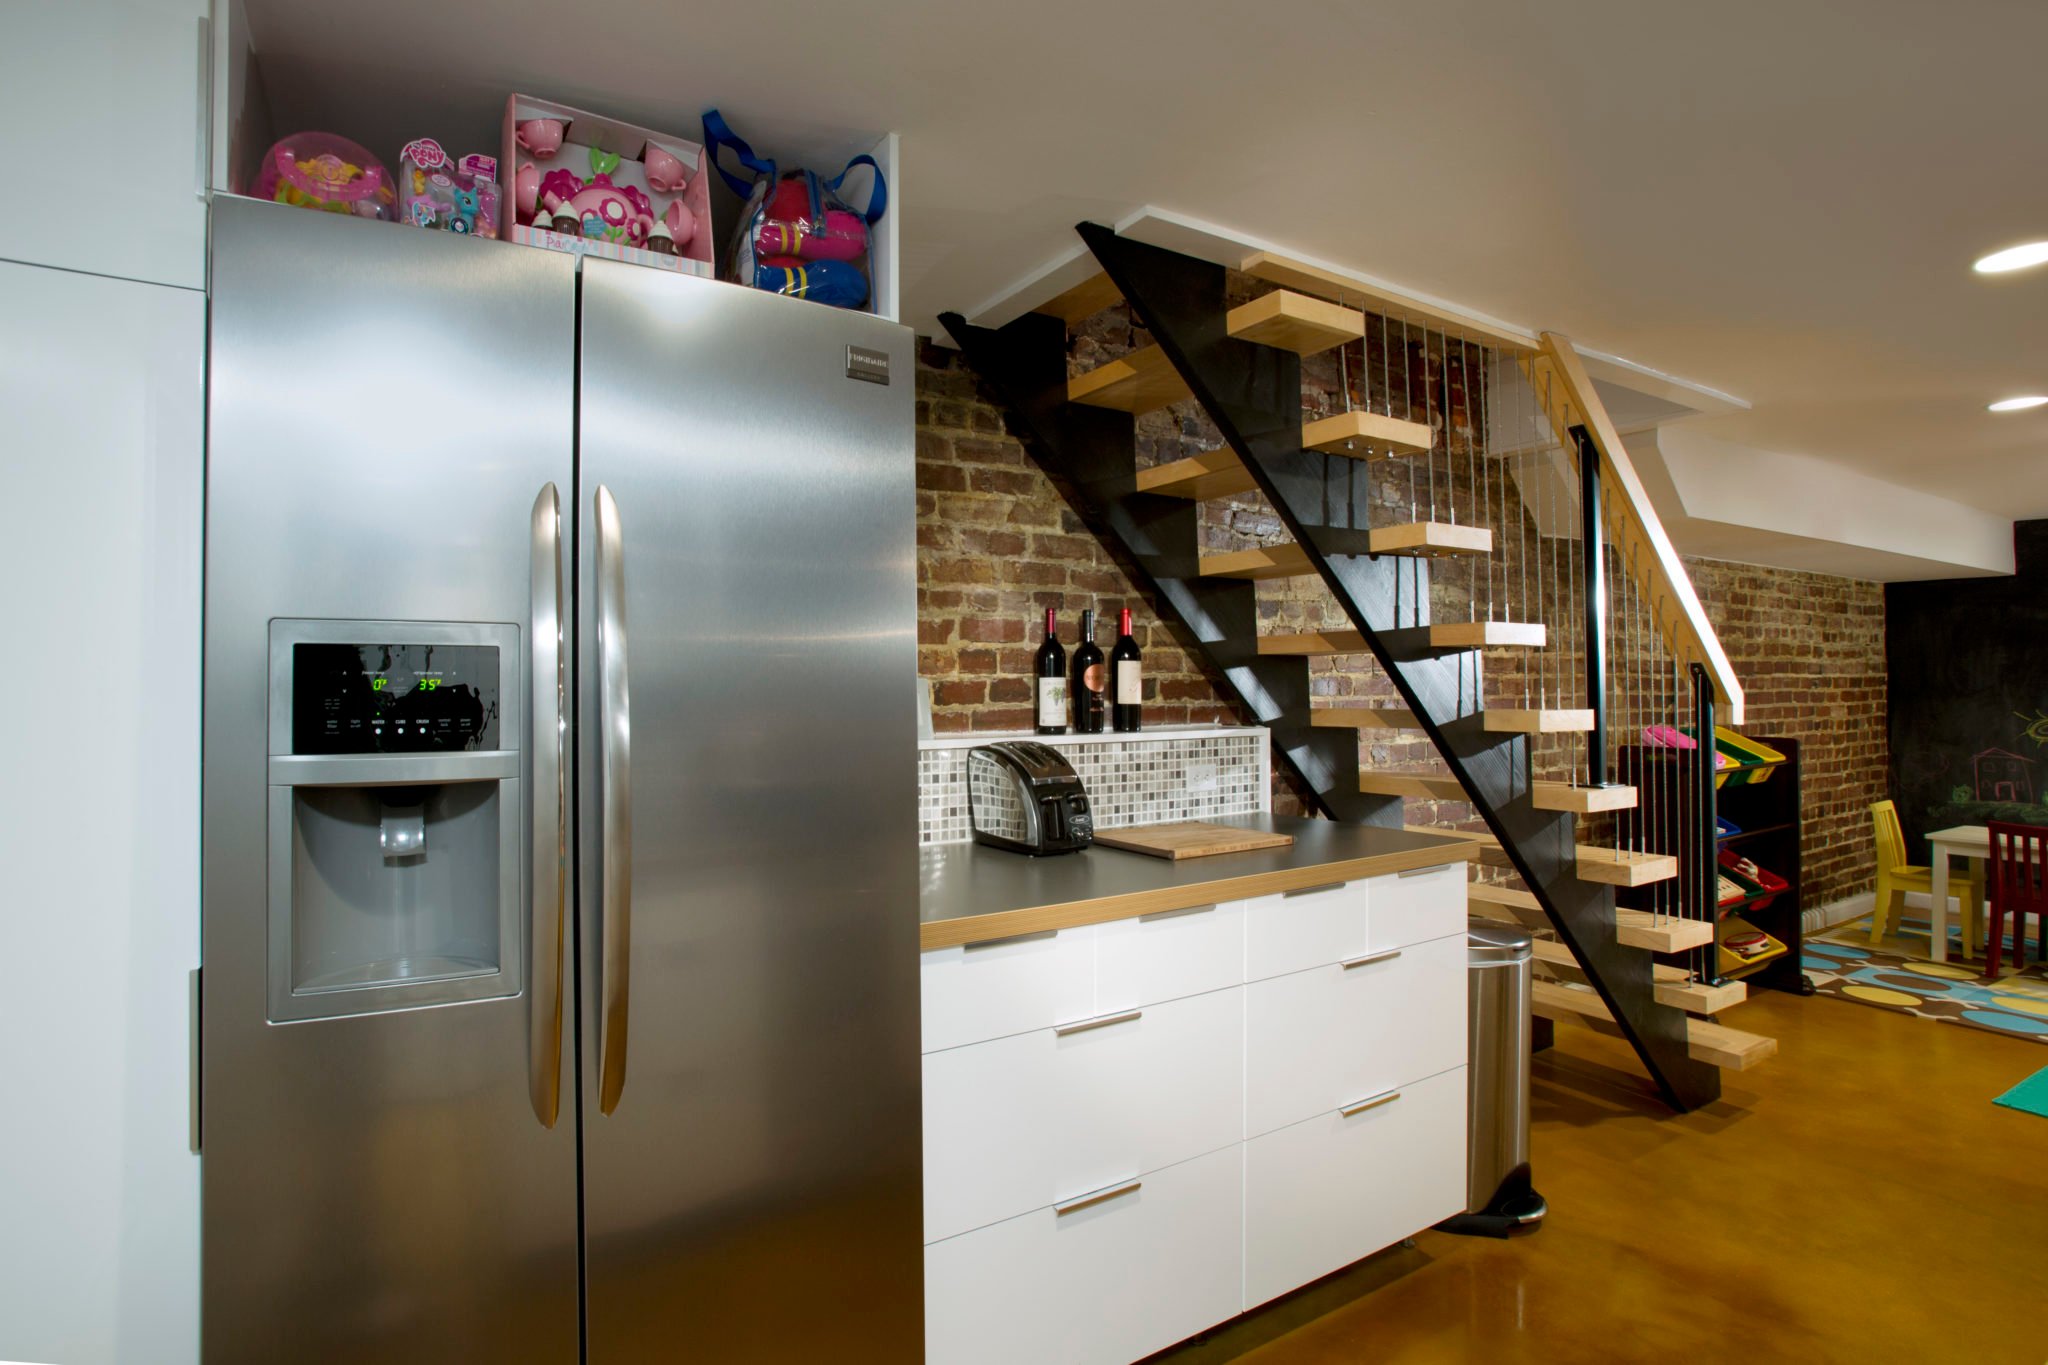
(1593, 544)
(1706, 873)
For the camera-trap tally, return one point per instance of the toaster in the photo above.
(1025, 796)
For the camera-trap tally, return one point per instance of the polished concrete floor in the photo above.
(1857, 1198)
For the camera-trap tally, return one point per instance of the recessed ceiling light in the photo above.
(2012, 258)
(2032, 400)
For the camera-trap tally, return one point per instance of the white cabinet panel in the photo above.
(1010, 986)
(101, 384)
(1333, 1035)
(1024, 1122)
(1331, 1189)
(1301, 929)
(1164, 957)
(105, 96)
(1100, 1286)
(1414, 907)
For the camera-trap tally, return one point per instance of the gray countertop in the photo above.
(969, 893)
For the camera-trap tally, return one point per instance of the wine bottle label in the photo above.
(1052, 701)
(1128, 690)
(1092, 679)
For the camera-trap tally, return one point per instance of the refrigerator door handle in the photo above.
(615, 760)
(549, 811)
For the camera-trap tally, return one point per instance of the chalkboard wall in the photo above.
(1968, 666)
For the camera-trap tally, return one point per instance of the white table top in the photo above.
(1963, 839)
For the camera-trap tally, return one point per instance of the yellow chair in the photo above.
(1895, 877)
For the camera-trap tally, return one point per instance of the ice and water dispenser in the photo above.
(395, 816)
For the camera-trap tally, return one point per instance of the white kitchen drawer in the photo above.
(1331, 1035)
(1010, 986)
(1163, 957)
(1103, 1285)
(1023, 1122)
(1333, 1189)
(1302, 929)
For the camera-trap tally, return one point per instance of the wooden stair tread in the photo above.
(1660, 933)
(1563, 796)
(1517, 903)
(1314, 642)
(1084, 300)
(1137, 383)
(1387, 303)
(1672, 986)
(1515, 721)
(1267, 561)
(1364, 718)
(1491, 854)
(1212, 474)
(1706, 1041)
(1295, 322)
(1429, 539)
(1488, 635)
(1425, 786)
(1624, 867)
(1367, 435)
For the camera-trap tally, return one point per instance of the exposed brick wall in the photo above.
(998, 544)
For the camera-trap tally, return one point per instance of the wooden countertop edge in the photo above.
(1037, 919)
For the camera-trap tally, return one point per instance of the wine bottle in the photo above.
(1091, 679)
(1052, 681)
(1127, 690)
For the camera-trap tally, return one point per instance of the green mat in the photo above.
(2030, 1096)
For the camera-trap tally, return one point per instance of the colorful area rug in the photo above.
(1846, 965)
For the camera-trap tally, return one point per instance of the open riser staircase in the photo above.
(1441, 509)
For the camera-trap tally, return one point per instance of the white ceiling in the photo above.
(1776, 198)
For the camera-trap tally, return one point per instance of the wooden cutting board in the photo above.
(1189, 839)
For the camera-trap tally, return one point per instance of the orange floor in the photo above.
(1856, 1198)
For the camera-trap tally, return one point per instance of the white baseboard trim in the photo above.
(1825, 917)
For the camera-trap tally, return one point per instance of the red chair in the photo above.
(2017, 886)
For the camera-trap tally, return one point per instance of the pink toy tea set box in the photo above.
(571, 181)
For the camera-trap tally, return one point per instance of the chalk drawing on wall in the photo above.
(2037, 726)
(2002, 776)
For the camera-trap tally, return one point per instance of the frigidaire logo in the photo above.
(862, 363)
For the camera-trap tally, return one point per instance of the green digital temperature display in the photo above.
(393, 698)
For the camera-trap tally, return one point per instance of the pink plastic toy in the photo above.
(612, 213)
(541, 136)
(526, 190)
(436, 191)
(845, 238)
(327, 172)
(665, 172)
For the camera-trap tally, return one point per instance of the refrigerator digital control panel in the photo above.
(393, 698)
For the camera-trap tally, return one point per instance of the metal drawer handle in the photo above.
(1101, 1196)
(1176, 914)
(1312, 890)
(1007, 941)
(1387, 956)
(1372, 1102)
(1104, 1022)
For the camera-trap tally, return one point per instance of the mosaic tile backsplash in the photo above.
(1150, 778)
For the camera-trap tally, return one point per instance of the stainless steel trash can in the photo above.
(1500, 1201)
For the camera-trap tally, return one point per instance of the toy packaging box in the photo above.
(573, 181)
(437, 191)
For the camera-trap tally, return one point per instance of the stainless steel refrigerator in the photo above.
(560, 993)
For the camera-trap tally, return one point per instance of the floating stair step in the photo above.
(1268, 561)
(1314, 642)
(1212, 474)
(1660, 933)
(1581, 800)
(1624, 867)
(1084, 300)
(1714, 1044)
(1697, 997)
(1431, 539)
(1364, 718)
(1509, 721)
(1505, 903)
(1138, 383)
(1422, 785)
(1367, 436)
(1295, 322)
(1487, 635)
(1491, 854)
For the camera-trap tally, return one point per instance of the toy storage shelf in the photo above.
(1767, 816)
(273, 74)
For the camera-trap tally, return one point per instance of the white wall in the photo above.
(101, 391)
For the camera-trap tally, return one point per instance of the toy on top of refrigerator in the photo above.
(570, 180)
(328, 172)
(798, 235)
(437, 191)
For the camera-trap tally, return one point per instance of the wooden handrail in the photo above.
(1568, 398)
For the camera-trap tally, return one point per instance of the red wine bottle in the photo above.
(1052, 681)
(1127, 690)
(1091, 679)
